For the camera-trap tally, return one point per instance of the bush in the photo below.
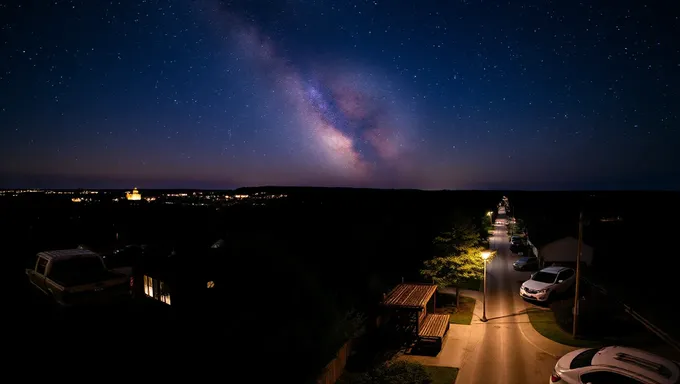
(396, 372)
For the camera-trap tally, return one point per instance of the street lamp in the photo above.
(490, 214)
(485, 257)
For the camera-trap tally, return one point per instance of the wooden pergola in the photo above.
(409, 302)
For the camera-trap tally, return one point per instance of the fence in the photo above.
(332, 372)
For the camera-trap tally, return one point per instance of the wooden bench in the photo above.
(433, 328)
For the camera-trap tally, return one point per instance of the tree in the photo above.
(463, 235)
(458, 258)
(464, 266)
(484, 228)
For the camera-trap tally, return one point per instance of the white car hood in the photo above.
(536, 285)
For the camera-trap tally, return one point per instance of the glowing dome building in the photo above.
(135, 195)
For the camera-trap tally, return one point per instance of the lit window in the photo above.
(164, 294)
(148, 286)
(211, 284)
(156, 289)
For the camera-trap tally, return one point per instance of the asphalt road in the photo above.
(504, 354)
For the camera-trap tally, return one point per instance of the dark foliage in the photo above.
(296, 279)
(398, 372)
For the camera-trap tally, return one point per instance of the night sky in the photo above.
(391, 94)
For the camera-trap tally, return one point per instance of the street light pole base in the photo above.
(483, 320)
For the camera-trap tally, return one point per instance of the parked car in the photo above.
(526, 263)
(517, 248)
(76, 276)
(546, 283)
(615, 365)
(517, 240)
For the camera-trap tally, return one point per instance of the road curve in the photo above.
(503, 353)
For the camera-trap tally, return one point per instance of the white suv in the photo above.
(546, 282)
(620, 365)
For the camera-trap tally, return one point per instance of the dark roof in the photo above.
(543, 232)
(413, 296)
(64, 254)
(187, 264)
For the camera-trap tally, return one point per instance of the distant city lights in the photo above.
(194, 198)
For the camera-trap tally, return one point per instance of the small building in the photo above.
(185, 280)
(562, 251)
(134, 195)
(407, 308)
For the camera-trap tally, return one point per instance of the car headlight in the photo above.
(544, 290)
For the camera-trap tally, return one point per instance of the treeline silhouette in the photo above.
(291, 275)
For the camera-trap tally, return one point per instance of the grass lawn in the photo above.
(544, 323)
(442, 375)
(463, 314)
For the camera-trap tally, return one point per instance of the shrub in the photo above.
(397, 372)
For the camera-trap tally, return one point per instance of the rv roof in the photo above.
(64, 254)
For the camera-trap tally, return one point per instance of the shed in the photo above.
(408, 303)
(563, 251)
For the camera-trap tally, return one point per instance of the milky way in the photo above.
(343, 116)
(388, 94)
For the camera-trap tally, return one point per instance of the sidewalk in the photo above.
(539, 341)
(460, 343)
(462, 340)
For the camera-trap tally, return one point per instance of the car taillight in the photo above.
(554, 378)
(132, 282)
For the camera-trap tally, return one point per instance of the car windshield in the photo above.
(544, 277)
(523, 259)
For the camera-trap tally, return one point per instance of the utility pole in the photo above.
(578, 273)
(484, 313)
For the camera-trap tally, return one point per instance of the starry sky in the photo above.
(459, 94)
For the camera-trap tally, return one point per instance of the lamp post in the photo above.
(490, 214)
(485, 257)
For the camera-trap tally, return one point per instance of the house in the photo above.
(562, 251)
(182, 279)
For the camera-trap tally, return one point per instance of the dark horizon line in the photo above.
(510, 190)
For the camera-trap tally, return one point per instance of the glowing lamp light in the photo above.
(486, 255)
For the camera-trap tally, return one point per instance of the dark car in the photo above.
(525, 264)
(518, 248)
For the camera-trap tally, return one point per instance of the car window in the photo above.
(566, 274)
(42, 263)
(583, 359)
(544, 277)
(604, 377)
